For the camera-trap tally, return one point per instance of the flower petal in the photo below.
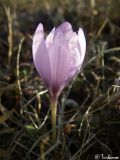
(75, 57)
(66, 29)
(60, 61)
(40, 55)
(49, 38)
(81, 44)
(37, 38)
(42, 63)
(73, 46)
(78, 53)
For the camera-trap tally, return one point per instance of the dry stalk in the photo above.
(10, 34)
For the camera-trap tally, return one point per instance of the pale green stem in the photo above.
(54, 117)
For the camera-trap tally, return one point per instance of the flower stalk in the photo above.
(53, 106)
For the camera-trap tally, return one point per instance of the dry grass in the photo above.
(89, 108)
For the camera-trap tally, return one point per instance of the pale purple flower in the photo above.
(59, 57)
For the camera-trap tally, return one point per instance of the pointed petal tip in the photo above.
(81, 38)
(39, 30)
(66, 22)
(81, 32)
(82, 44)
(37, 39)
(39, 27)
(66, 25)
(50, 37)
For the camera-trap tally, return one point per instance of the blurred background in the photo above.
(91, 121)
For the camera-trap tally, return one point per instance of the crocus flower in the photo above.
(59, 57)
